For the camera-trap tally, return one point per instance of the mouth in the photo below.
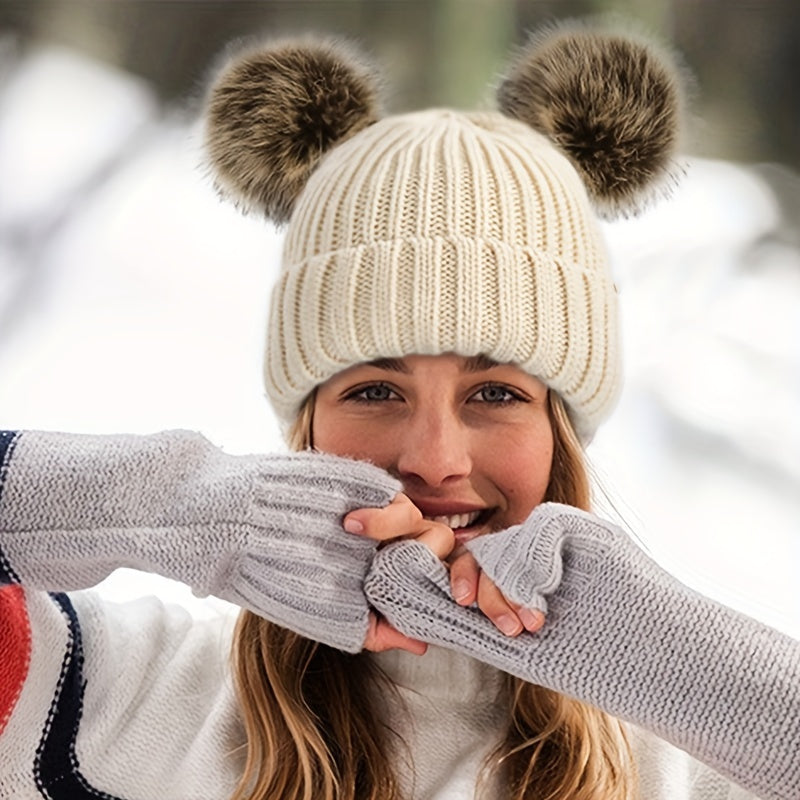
(465, 525)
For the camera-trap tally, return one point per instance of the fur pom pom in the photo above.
(612, 102)
(273, 112)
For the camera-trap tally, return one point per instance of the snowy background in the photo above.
(132, 300)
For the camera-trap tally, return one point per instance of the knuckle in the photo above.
(464, 567)
(404, 501)
(457, 567)
(446, 532)
(490, 596)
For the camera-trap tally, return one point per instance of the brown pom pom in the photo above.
(611, 101)
(272, 113)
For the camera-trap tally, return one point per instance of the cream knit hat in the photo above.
(443, 231)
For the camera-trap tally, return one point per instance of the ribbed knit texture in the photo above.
(620, 634)
(262, 532)
(438, 232)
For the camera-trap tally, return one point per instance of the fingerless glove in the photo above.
(263, 532)
(620, 634)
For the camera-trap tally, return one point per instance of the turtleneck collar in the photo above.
(442, 674)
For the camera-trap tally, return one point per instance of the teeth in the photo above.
(457, 520)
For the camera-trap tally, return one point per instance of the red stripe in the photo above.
(15, 647)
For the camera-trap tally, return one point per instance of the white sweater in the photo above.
(135, 701)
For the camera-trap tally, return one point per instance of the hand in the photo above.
(401, 519)
(469, 584)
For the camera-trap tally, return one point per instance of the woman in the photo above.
(445, 312)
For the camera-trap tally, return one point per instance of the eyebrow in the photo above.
(480, 363)
(391, 364)
(477, 363)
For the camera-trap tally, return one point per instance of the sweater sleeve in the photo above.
(664, 772)
(106, 700)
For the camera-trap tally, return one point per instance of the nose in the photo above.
(434, 449)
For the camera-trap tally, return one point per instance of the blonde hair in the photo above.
(312, 735)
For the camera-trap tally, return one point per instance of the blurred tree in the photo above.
(743, 54)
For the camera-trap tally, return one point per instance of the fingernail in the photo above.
(353, 526)
(460, 589)
(508, 625)
(532, 620)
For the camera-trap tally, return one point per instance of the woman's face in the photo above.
(470, 439)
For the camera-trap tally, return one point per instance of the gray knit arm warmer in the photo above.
(264, 532)
(621, 634)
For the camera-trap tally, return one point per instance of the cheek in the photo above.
(341, 435)
(523, 473)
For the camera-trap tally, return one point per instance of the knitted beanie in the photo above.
(443, 231)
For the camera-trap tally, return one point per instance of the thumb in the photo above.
(526, 562)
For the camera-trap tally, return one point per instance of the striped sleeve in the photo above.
(41, 683)
(8, 443)
(15, 629)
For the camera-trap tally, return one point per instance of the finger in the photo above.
(436, 535)
(382, 636)
(531, 618)
(492, 603)
(400, 518)
(464, 575)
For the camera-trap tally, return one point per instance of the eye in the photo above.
(497, 394)
(372, 393)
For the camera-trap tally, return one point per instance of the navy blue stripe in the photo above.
(8, 441)
(56, 770)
